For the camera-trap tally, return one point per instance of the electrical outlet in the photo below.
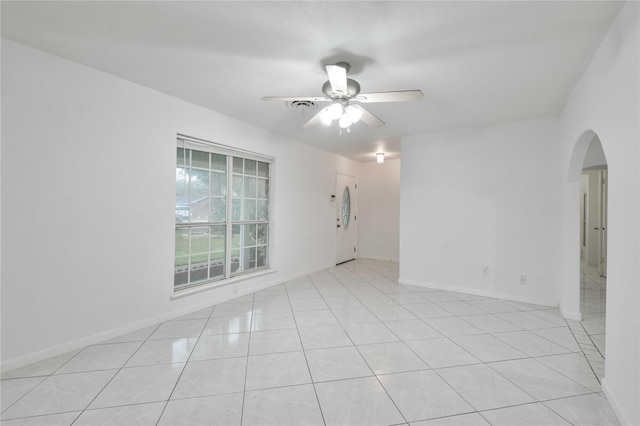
(523, 280)
(485, 270)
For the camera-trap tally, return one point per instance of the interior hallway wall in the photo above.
(606, 102)
(479, 209)
(379, 210)
(88, 204)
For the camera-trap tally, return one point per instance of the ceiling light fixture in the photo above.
(341, 111)
(380, 157)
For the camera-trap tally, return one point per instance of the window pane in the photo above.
(199, 182)
(235, 260)
(219, 162)
(262, 257)
(249, 212)
(199, 270)
(181, 180)
(199, 209)
(261, 237)
(263, 169)
(200, 159)
(249, 261)
(236, 209)
(249, 187)
(237, 165)
(237, 186)
(218, 209)
(217, 238)
(263, 188)
(235, 236)
(218, 184)
(262, 210)
(199, 241)
(182, 243)
(249, 235)
(250, 167)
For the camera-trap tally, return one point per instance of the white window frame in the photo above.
(188, 142)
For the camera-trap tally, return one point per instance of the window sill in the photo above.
(177, 294)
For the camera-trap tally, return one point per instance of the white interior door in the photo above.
(346, 213)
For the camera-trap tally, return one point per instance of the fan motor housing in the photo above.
(353, 88)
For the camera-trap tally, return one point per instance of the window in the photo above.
(222, 212)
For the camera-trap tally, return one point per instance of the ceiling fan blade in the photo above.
(296, 98)
(369, 118)
(398, 96)
(316, 119)
(337, 77)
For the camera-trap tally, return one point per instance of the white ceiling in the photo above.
(477, 63)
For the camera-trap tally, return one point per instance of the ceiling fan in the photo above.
(344, 95)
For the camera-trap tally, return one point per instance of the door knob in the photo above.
(338, 225)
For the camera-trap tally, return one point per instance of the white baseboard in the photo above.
(624, 420)
(63, 348)
(385, 259)
(570, 315)
(485, 293)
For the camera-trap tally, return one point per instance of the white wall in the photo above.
(606, 103)
(88, 204)
(379, 210)
(483, 198)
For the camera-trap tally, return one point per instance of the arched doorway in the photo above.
(593, 254)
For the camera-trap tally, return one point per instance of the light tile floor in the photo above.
(345, 346)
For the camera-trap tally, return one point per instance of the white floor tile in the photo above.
(282, 406)
(278, 321)
(166, 351)
(178, 329)
(487, 348)
(57, 394)
(331, 336)
(574, 366)
(357, 402)
(368, 333)
(412, 329)
(590, 409)
(211, 377)
(221, 346)
(530, 344)
(139, 414)
(315, 318)
(438, 353)
(483, 388)
(137, 385)
(471, 419)
(100, 357)
(273, 341)
(222, 410)
(11, 390)
(63, 419)
(522, 415)
(385, 358)
(228, 325)
(336, 364)
(538, 380)
(277, 370)
(422, 395)
(453, 326)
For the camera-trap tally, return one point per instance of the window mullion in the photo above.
(229, 205)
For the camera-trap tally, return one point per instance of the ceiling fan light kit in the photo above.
(341, 91)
